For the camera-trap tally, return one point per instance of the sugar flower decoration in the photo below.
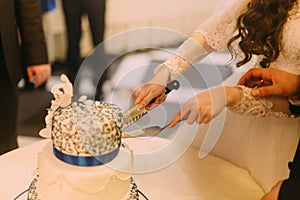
(62, 93)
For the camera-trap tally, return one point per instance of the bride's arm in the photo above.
(271, 106)
(213, 34)
(192, 50)
(206, 105)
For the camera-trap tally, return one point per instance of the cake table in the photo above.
(170, 182)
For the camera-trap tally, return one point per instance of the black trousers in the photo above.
(8, 111)
(73, 10)
(290, 189)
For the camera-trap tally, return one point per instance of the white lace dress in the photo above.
(217, 31)
(256, 124)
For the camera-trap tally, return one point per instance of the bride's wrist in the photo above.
(233, 95)
(162, 76)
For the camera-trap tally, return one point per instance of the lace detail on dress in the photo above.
(289, 58)
(187, 54)
(252, 106)
(218, 29)
(215, 33)
(177, 65)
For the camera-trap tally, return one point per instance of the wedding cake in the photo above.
(85, 140)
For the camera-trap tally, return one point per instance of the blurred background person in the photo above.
(47, 5)
(21, 48)
(73, 11)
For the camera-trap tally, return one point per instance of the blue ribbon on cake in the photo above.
(86, 160)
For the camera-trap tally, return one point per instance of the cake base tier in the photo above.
(60, 181)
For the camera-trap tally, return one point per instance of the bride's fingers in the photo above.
(181, 114)
(151, 106)
(205, 116)
(175, 120)
(140, 95)
(137, 95)
(160, 99)
(146, 100)
(206, 119)
(192, 117)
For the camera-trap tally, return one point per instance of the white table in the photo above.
(187, 178)
(17, 170)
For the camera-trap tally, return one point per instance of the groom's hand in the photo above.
(269, 81)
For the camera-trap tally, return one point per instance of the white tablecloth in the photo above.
(17, 170)
(188, 178)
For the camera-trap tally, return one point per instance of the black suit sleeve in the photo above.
(29, 19)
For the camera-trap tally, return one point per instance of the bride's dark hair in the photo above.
(260, 29)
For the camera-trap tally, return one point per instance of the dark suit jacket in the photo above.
(21, 23)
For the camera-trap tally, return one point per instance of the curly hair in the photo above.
(260, 29)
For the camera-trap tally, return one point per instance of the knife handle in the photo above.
(173, 85)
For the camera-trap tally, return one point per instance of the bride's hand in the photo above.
(208, 104)
(154, 89)
(271, 82)
(146, 93)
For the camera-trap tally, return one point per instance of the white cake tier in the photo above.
(60, 181)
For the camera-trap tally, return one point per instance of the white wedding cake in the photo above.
(85, 139)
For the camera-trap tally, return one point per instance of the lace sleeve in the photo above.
(218, 29)
(188, 53)
(176, 65)
(252, 106)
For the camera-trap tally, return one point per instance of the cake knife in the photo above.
(133, 114)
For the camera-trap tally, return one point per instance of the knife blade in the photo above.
(133, 114)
